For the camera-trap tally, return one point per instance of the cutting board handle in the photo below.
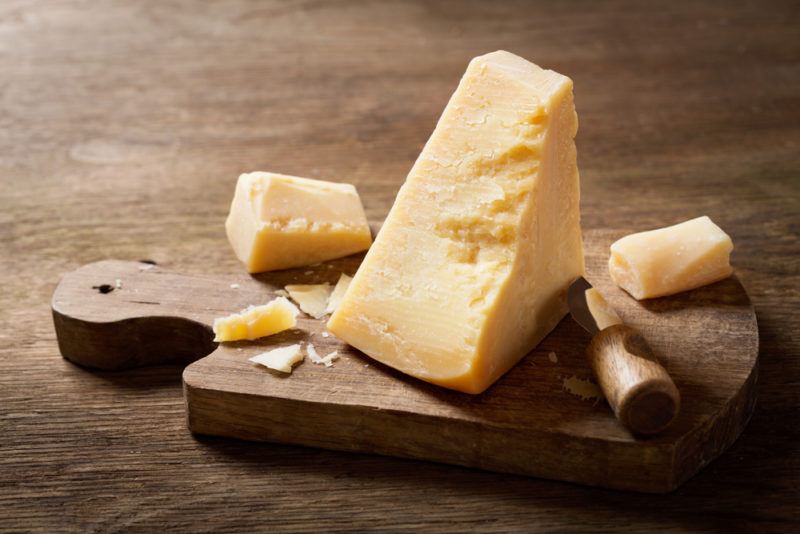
(638, 388)
(115, 315)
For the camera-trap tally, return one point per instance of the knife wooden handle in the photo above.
(639, 390)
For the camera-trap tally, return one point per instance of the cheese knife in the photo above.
(640, 391)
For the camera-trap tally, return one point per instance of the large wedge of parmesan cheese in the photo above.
(471, 268)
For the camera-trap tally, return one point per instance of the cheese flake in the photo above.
(282, 359)
(312, 298)
(338, 293)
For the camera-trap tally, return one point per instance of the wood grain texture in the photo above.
(522, 425)
(125, 125)
(635, 384)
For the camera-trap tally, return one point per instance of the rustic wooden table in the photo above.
(125, 124)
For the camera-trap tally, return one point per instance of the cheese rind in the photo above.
(278, 221)
(670, 260)
(257, 321)
(471, 267)
(282, 359)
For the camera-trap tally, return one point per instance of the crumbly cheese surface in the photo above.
(282, 359)
(257, 321)
(670, 260)
(278, 221)
(470, 269)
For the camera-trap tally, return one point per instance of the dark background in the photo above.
(123, 127)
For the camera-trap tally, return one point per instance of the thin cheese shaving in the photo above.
(312, 299)
(281, 359)
(338, 293)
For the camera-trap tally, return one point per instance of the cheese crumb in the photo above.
(118, 283)
(312, 298)
(235, 286)
(281, 359)
(325, 334)
(585, 389)
(330, 358)
(338, 293)
(257, 321)
(312, 354)
(327, 360)
(553, 357)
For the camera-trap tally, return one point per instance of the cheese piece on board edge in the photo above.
(278, 221)
(282, 359)
(670, 260)
(257, 321)
(471, 267)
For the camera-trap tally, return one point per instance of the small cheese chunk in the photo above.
(279, 221)
(471, 268)
(281, 359)
(257, 321)
(672, 259)
(312, 298)
(338, 293)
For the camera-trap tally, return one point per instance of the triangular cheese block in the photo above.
(471, 268)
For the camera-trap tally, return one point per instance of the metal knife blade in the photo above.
(588, 307)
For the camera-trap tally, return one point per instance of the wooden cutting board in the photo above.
(119, 315)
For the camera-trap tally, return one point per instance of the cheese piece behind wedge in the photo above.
(312, 298)
(471, 268)
(672, 259)
(279, 221)
(338, 293)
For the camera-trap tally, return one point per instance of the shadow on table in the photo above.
(152, 377)
(714, 500)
